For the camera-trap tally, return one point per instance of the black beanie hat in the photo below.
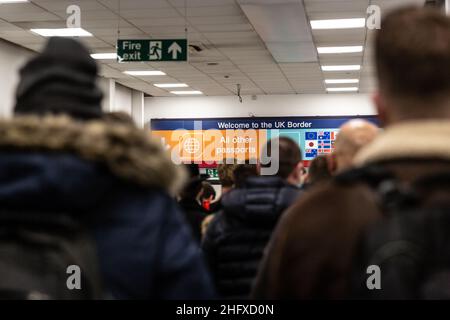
(62, 79)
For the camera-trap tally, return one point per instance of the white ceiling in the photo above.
(218, 26)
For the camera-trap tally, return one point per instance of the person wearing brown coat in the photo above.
(310, 254)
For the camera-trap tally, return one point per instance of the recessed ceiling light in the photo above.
(346, 49)
(348, 89)
(65, 32)
(338, 23)
(186, 92)
(12, 1)
(341, 68)
(171, 85)
(104, 56)
(340, 81)
(145, 73)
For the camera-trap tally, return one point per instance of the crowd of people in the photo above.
(83, 188)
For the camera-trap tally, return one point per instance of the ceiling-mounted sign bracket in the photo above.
(238, 93)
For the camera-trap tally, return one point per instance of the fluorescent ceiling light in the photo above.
(338, 23)
(341, 68)
(145, 73)
(104, 56)
(171, 85)
(346, 49)
(13, 1)
(349, 89)
(186, 92)
(65, 32)
(340, 81)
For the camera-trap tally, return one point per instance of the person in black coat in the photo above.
(236, 238)
(58, 155)
(189, 202)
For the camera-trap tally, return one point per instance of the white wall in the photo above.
(108, 87)
(12, 57)
(263, 106)
(117, 97)
(123, 99)
(138, 108)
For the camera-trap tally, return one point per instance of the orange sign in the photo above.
(213, 145)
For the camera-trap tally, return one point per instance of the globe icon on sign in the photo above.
(191, 145)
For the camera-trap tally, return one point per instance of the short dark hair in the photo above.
(192, 189)
(192, 169)
(242, 172)
(225, 172)
(413, 54)
(319, 170)
(289, 156)
(208, 190)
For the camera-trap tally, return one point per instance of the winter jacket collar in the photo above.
(409, 140)
(128, 152)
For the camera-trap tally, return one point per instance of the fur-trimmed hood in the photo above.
(128, 152)
(409, 140)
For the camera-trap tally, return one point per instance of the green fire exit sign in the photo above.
(152, 50)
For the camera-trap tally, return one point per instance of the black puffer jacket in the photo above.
(238, 235)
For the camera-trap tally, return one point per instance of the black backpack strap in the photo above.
(371, 175)
(440, 180)
(390, 194)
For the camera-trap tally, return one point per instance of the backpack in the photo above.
(46, 256)
(411, 244)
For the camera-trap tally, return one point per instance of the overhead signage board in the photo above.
(152, 50)
(212, 140)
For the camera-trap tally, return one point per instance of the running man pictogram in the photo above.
(155, 50)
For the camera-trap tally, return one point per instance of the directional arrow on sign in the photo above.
(175, 49)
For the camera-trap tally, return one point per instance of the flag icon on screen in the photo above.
(310, 135)
(324, 135)
(334, 135)
(311, 144)
(310, 153)
(325, 144)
